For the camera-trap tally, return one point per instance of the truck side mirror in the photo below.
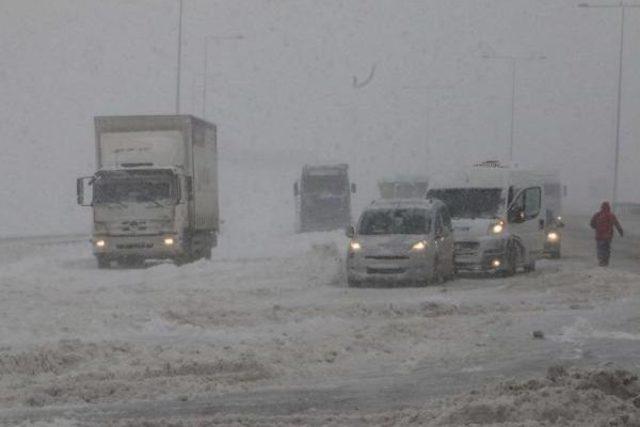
(296, 190)
(81, 190)
(516, 215)
(353, 188)
(350, 232)
(189, 187)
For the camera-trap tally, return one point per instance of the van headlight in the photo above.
(419, 246)
(553, 237)
(497, 228)
(355, 246)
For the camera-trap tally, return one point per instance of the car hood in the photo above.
(389, 244)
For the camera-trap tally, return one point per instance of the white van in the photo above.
(498, 216)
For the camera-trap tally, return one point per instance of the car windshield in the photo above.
(395, 221)
(325, 184)
(133, 188)
(470, 202)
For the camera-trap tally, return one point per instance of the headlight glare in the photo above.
(497, 228)
(355, 246)
(101, 243)
(553, 236)
(168, 241)
(419, 246)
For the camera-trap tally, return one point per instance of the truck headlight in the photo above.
(419, 246)
(168, 241)
(553, 237)
(355, 246)
(101, 243)
(497, 228)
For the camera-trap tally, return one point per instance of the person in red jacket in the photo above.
(603, 222)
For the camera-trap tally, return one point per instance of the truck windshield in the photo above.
(325, 184)
(470, 202)
(395, 221)
(134, 188)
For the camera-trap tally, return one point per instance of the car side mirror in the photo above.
(350, 232)
(296, 190)
(353, 188)
(82, 194)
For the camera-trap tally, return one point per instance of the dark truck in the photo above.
(323, 198)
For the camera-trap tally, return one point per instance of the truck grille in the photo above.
(372, 270)
(387, 257)
(134, 246)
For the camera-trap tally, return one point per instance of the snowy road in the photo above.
(271, 331)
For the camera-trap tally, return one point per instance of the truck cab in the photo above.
(323, 198)
(154, 195)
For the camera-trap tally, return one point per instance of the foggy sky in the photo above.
(285, 94)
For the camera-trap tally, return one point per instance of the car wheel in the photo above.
(103, 262)
(436, 275)
(531, 266)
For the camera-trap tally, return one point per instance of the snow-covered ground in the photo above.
(270, 317)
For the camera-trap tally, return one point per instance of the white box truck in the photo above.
(155, 191)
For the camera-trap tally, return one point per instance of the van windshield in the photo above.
(470, 202)
(395, 221)
(325, 184)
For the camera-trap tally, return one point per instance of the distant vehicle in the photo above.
(403, 187)
(554, 192)
(401, 241)
(498, 216)
(155, 192)
(323, 198)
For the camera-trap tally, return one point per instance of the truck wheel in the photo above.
(531, 266)
(103, 262)
(352, 283)
(511, 259)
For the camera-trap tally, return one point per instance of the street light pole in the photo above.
(513, 60)
(179, 61)
(205, 66)
(622, 6)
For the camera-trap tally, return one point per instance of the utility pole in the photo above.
(179, 62)
(513, 61)
(622, 6)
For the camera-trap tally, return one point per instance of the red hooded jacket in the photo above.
(604, 221)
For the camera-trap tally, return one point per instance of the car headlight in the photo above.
(553, 236)
(419, 246)
(355, 246)
(101, 243)
(168, 241)
(497, 228)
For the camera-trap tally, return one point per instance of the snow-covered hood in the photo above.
(464, 229)
(389, 244)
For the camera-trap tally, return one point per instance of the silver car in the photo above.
(401, 241)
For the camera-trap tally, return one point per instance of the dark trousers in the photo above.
(603, 248)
